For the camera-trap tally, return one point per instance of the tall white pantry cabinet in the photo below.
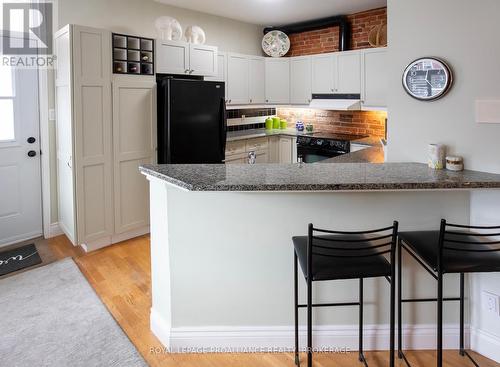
(106, 128)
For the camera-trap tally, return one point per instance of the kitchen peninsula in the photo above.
(222, 259)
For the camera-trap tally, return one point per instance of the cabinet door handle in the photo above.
(186, 71)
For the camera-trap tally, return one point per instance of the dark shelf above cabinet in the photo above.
(133, 55)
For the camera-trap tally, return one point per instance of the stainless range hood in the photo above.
(336, 102)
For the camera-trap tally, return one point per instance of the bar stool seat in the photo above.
(426, 245)
(343, 266)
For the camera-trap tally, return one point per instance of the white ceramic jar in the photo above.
(454, 163)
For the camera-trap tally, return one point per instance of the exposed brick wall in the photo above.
(327, 39)
(370, 123)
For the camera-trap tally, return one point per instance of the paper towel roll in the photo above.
(437, 154)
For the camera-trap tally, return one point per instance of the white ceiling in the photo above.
(276, 12)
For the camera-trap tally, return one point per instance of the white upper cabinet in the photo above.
(338, 72)
(177, 57)
(257, 80)
(237, 79)
(203, 60)
(300, 80)
(172, 57)
(375, 78)
(278, 80)
(221, 69)
(348, 73)
(323, 72)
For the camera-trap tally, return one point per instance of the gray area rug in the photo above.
(51, 316)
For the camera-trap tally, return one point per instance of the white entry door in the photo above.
(20, 182)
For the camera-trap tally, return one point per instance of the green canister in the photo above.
(283, 124)
(276, 122)
(269, 123)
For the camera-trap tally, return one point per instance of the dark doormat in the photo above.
(19, 258)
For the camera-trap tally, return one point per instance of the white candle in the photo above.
(437, 153)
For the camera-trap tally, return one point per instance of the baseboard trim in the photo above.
(280, 338)
(485, 343)
(160, 328)
(55, 230)
(111, 240)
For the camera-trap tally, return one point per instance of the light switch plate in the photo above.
(491, 303)
(488, 111)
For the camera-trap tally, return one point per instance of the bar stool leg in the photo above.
(296, 308)
(462, 348)
(400, 308)
(440, 321)
(361, 357)
(309, 322)
(393, 308)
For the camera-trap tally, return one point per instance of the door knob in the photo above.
(31, 154)
(31, 140)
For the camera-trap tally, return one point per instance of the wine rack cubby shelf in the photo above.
(133, 55)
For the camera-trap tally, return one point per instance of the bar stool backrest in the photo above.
(462, 238)
(366, 244)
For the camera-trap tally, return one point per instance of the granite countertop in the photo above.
(374, 154)
(259, 133)
(318, 177)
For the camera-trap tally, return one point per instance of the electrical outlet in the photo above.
(491, 303)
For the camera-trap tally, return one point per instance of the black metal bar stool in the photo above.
(336, 255)
(459, 250)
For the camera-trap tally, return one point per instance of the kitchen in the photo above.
(191, 143)
(289, 90)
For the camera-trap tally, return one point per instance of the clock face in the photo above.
(427, 79)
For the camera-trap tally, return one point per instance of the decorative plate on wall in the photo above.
(427, 79)
(276, 44)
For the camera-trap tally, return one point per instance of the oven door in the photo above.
(313, 155)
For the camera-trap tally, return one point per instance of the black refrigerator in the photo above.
(191, 121)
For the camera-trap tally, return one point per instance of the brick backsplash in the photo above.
(327, 39)
(370, 123)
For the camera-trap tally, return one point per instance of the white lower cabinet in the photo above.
(287, 150)
(105, 129)
(238, 152)
(276, 149)
(134, 143)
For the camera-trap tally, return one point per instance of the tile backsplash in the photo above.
(251, 112)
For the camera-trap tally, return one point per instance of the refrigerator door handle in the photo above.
(224, 128)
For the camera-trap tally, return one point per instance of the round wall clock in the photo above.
(276, 44)
(427, 79)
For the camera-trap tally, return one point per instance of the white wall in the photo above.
(137, 17)
(465, 33)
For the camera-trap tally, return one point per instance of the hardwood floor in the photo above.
(120, 275)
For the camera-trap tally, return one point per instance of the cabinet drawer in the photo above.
(257, 144)
(236, 159)
(235, 147)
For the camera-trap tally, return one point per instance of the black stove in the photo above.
(322, 145)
